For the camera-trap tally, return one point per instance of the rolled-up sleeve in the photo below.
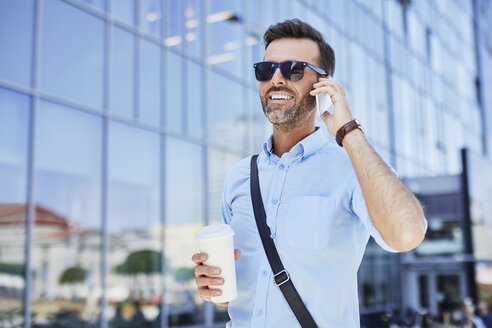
(360, 209)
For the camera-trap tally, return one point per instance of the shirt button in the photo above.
(259, 312)
(274, 201)
(264, 273)
(281, 166)
(273, 235)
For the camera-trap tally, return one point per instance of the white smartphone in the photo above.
(323, 102)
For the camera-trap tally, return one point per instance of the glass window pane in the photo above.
(124, 10)
(195, 100)
(174, 29)
(337, 12)
(193, 26)
(67, 232)
(71, 56)
(379, 123)
(135, 248)
(269, 14)
(150, 83)
(16, 27)
(184, 216)
(219, 164)
(98, 4)
(174, 92)
(253, 12)
(185, 178)
(224, 25)
(254, 54)
(227, 125)
(151, 16)
(14, 123)
(358, 99)
(122, 72)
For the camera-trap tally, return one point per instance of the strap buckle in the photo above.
(280, 280)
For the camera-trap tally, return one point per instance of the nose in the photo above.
(277, 77)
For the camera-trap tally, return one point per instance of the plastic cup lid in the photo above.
(214, 231)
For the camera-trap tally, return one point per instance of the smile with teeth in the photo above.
(280, 97)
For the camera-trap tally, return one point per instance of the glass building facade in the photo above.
(119, 120)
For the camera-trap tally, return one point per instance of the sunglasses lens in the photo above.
(264, 71)
(292, 70)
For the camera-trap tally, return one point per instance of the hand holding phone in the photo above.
(323, 103)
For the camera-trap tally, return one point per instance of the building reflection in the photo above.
(69, 290)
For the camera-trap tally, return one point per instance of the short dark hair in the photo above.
(297, 29)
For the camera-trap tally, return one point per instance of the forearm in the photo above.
(393, 209)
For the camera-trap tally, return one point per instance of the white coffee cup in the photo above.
(218, 242)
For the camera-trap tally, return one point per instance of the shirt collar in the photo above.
(304, 148)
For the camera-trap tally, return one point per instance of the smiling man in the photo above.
(322, 202)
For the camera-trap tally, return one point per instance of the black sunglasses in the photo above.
(291, 70)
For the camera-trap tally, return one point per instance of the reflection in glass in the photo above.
(151, 16)
(254, 53)
(122, 72)
(252, 12)
(224, 24)
(174, 92)
(379, 113)
(66, 256)
(134, 288)
(72, 57)
(98, 4)
(228, 125)
(150, 83)
(14, 120)
(184, 178)
(124, 10)
(193, 26)
(195, 99)
(219, 164)
(184, 216)
(16, 27)
(174, 31)
(359, 97)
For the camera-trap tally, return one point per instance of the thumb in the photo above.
(237, 253)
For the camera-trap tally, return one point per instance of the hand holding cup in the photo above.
(215, 271)
(206, 276)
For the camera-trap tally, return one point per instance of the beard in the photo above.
(290, 117)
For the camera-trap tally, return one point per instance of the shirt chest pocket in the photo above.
(305, 222)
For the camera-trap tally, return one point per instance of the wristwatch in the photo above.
(342, 132)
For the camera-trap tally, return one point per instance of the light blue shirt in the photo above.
(319, 222)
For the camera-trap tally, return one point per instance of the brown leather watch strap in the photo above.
(342, 132)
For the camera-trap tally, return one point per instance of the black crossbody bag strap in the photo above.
(281, 276)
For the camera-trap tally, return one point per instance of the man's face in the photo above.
(292, 112)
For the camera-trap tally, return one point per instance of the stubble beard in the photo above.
(286, 119)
